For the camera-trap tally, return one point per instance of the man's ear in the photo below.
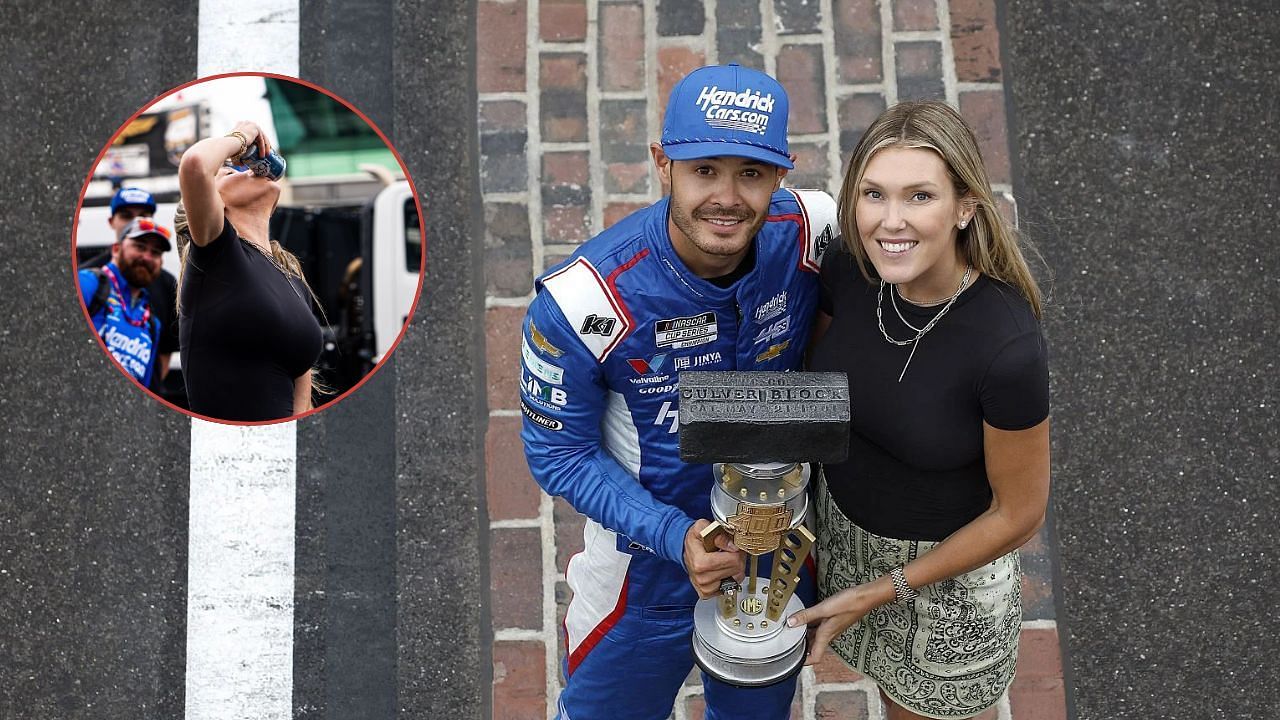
(782, 172)
(663, 165)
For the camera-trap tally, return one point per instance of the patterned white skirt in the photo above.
(949, 654)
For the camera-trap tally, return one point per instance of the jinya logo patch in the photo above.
(748, 110)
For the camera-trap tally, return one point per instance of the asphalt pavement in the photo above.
(1146, 154)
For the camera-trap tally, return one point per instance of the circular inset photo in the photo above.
(248, 248)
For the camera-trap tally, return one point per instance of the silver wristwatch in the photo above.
(902, 592)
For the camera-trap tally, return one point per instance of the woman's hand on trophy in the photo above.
(837, 614)
(707, 568)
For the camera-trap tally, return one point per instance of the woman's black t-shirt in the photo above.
(246, 331)
(915, 469)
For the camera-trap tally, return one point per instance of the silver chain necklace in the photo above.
(271, 258)
(920, 332)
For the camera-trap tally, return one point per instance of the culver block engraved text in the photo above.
(763, 416)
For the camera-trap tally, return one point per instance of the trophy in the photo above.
(760, 431)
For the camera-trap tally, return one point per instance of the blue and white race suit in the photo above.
(603, 342)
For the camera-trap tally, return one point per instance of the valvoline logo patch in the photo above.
(645, 367)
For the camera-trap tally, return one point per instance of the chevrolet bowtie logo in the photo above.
(540, 341)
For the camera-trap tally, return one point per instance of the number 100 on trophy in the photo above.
(761, 431)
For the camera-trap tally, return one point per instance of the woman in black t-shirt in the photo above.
(248, 336)
(931, 310)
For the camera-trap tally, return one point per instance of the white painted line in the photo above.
(697, 43)
(710, 28)
(1039, 624)
(642, 198)
(949, 81)
(917, 35)
(565, 146)
(515, 524)
(829, 61)
(507, 95)
(492, 302)
(241, 570)
(550, 630)
(652, 119)
(595, 156)
(769, 38)
(235, 35)
(808, 681)
(504, 413)
(507, 197)
(803, 39)
(533, 145)
(240, 575)
(516, 634)
(888, 65)
(979, 86)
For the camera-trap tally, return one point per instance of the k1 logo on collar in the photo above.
(595, 325)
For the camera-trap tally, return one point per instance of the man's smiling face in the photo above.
(717, 206)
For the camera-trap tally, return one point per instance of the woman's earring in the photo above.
(964, 224)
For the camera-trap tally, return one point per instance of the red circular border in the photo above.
(422, 229)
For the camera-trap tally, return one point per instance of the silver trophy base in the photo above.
(753, 657)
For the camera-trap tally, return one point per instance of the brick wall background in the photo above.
(571, 94)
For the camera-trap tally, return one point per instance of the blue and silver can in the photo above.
(271, 167)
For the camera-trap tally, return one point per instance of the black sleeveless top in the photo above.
(246, 331)
(916, 469)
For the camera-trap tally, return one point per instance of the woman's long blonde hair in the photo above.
(990, 243)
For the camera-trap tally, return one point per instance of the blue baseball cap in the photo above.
(126, 197)
(727, 110)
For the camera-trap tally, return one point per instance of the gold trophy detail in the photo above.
(741, 637)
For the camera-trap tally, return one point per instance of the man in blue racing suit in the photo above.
(721, 274)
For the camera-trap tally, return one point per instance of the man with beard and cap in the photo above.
(117, 300)
(721, 274)
(126, 205)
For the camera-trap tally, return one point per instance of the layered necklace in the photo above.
(271, 258)
(920, 332)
